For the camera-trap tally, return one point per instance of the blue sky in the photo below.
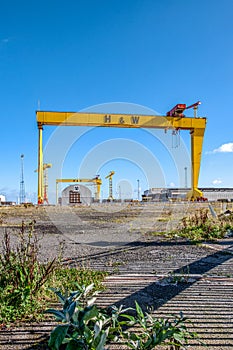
(72, 55)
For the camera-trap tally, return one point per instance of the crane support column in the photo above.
(197, 136)
(98, 185)
(56, 193)
(40, 165)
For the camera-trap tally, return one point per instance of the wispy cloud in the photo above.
(225, 148)
(4, 41)
(217, 182)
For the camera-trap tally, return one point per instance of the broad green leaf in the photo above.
(97, 328)
(148, 343)
(88, 334)
(91, 301)
(90, 314)
(102, 342)
(179, 337)
(129, 317)
(88, 289)
(139, 310)
(71, 309)
(58, 314)
(75, 345)
(134, 337)
(57, 336)
(59, 295)
(73, 295)
(72, 345)
(75, 316)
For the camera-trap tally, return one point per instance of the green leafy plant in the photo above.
(24, 280)
(21, 274)
(157, 331)
(82, 325)
(66, 278)
(200, 226)
(182, 277)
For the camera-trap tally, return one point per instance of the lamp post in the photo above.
(138, 190)
(185, 178)
(22, 186)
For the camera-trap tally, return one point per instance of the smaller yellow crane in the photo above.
(46, 166)
(109, 176)
(96, 180)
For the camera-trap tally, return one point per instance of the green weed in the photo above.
(200, 227)
(24, 280)
(21, 274)
(65, 278)
(82, 325)
(157, 331)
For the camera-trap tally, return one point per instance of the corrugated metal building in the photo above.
(76, 194)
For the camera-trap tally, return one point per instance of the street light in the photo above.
(185, 178)
(138, 190)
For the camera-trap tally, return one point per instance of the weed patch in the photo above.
(200, 227)
(21, 275)
(24, 280)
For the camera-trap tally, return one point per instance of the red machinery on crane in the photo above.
(178, 110)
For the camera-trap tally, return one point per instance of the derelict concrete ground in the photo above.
(168, 276)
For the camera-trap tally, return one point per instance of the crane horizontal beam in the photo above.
(99, 181)
(110, 175)
(118, 120)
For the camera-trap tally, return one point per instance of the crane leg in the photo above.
(40, 166)
(197, 136)
(98, 192)
(110, 189)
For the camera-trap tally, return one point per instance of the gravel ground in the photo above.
(163, 274)
(87, 230)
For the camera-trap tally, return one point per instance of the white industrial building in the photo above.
(76, 194)
(165, 194)
(2, 198)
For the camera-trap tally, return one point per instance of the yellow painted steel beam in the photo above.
(197, 136)
(80, 180)
(195, 125)
(110, 174)
(40, 166)
(109, 177)
(118, 120)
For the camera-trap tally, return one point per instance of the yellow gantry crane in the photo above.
(96, 180)
(174, 120)
(109, 177)
(45, 168)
